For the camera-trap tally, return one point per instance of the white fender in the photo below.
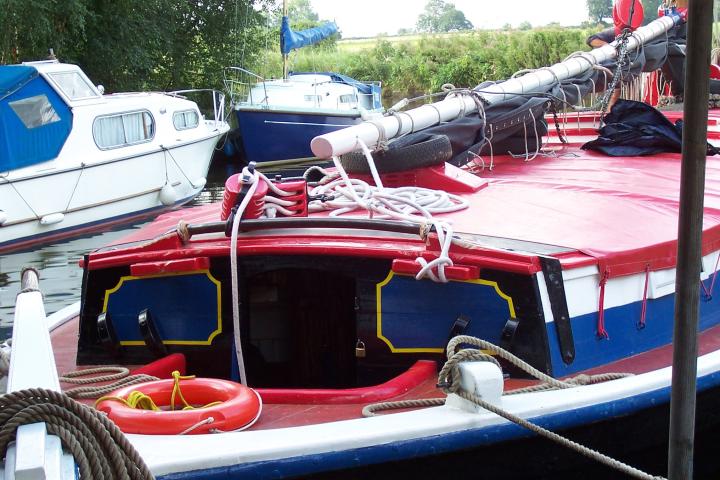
(168, 196)
(52, 218)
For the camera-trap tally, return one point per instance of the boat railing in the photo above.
(208, 100)
(239, 84)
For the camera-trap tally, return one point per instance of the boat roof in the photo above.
(619, 213)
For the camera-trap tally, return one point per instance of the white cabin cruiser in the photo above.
(72, 158)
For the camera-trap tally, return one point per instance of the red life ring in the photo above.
(238, 407)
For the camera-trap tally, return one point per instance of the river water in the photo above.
(58, 263)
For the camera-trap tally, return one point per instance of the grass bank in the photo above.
(415, 65)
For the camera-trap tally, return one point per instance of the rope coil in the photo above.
(121, 375)
(100, 449)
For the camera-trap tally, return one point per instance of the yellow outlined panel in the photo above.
(213, 334)
(393, 349)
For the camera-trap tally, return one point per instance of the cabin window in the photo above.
(313, 98)
(113, 131)
(348, 98)
(35, 111)
(73, 85)
(185, 119)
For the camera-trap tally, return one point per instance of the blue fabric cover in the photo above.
(13, 77)
(635, 128)
(290, 40)
(21, 146)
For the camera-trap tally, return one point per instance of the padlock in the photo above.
(360, 349)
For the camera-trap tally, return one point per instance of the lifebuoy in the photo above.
(230, 406)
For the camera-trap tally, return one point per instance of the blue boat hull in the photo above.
(269, 136)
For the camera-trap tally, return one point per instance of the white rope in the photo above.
(252, 422)
(411, 204)
(251, 177)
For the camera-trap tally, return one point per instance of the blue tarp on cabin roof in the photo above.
(34, 120)
(13, 77)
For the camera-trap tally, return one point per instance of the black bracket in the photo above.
(150, 335)
(459, 327)
(558, 305)
(106, 334)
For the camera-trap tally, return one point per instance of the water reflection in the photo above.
(60, 274)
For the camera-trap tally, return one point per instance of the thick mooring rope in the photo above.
(99, 447)
(121, 375)
(449, 381)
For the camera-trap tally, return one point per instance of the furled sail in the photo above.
(290, 40)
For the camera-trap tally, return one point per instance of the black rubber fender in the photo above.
(426, 151)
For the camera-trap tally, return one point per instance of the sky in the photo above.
(372, 17)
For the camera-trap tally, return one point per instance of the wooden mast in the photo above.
(285, 55)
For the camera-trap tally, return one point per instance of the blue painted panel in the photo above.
(194, 320)
(269, 136)
(419, 314)
(625, 337)
(21, 146)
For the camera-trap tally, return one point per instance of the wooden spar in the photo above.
(692, 189)
(345, 140)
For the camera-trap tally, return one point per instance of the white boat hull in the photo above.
(99, 192)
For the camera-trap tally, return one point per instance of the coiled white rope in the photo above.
(410, 204)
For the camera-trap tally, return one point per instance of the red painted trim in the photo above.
(169, 266)
(169, 248)
(421, 371)
(163, 367)
(455, 272)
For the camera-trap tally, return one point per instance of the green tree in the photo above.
(29, 28)
(128, 48)
(651, 10)
(525, 26)
(136, 44)
(302, 11)
(599, 9)
(440, 16)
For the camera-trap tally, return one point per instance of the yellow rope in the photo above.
(135, 399)
(139, 400)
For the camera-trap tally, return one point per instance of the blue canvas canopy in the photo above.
(34, 120)
(290, 40)
(15, 77)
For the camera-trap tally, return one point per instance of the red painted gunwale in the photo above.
(288, 408)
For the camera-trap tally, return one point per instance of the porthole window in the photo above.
(114, 131)
(185, 119)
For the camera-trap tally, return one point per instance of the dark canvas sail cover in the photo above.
(291, 40)
(634, 129)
